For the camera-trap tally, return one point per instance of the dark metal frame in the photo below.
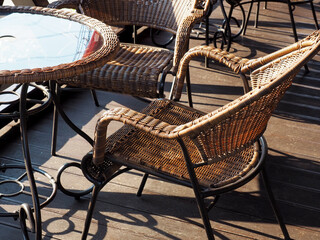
(200, 193)
(25, 211)
(291, 7)
(33, 214)
(223, 32)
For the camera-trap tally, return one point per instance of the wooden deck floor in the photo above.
(168, 211)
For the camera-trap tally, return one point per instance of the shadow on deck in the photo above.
(167, 211)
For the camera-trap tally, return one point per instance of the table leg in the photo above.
(227, 26)
(27, 161)
(54, 88)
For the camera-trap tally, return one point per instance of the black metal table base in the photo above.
(55, 90)
(25, 211)
(221, 35)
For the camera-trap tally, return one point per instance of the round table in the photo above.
(40, 45)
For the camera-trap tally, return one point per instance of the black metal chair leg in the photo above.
(196, 189)
(248, 18)
(293, 24)
(206, 64)
(92, 204)
(55, 88)
(205, 218)
(189, 87)
(95, 98)
(314, 15)
(142, 184)
(257, 15)
(273, 204)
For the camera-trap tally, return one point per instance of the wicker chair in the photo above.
(212, 153)
(136, 69)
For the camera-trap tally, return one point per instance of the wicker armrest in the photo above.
(183, 32)
(74, 4)
(256, 63)
(128, 116)
(230, 60)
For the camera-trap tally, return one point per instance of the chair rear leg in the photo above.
(273, 204)
(206, 64)
(293, 24)
(257, 15)
(188, 82)
(95, 98)
(92, 204)
(142, 184)
(247, 20)
(314, 15)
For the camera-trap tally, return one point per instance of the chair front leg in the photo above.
(197, 192)
(93, 200)
(273, 204)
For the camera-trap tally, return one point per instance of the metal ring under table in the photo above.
(27, 107)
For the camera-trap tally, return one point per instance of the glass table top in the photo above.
(30, 41)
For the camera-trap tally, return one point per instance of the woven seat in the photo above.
(134, 71)
(176, 17)
(138, 70)
(214, 152)
(165, 156)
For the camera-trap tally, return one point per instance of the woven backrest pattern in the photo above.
(240, 128)
(162, 14)
(269, 72)
(175, 16)
(240, 123)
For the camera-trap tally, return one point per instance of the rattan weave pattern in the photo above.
(261, 70)
(220, 143)
(226, 146)
(165, 155)
(98, 58)
(176, 16)
(134, 71)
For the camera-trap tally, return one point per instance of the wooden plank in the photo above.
(168, 211)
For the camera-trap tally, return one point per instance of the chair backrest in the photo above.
(175, 16)
(238, 124)
(161, 14)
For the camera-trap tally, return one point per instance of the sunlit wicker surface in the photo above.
(136, 147)
(292, 164)
(221, 145)
(261, 70)
(229, 130)
(136, 69)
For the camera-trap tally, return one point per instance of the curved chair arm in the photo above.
(161, 129)
(230, 60)
(74, 4)
(258, 62)
(128, 116)
(184, 31)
